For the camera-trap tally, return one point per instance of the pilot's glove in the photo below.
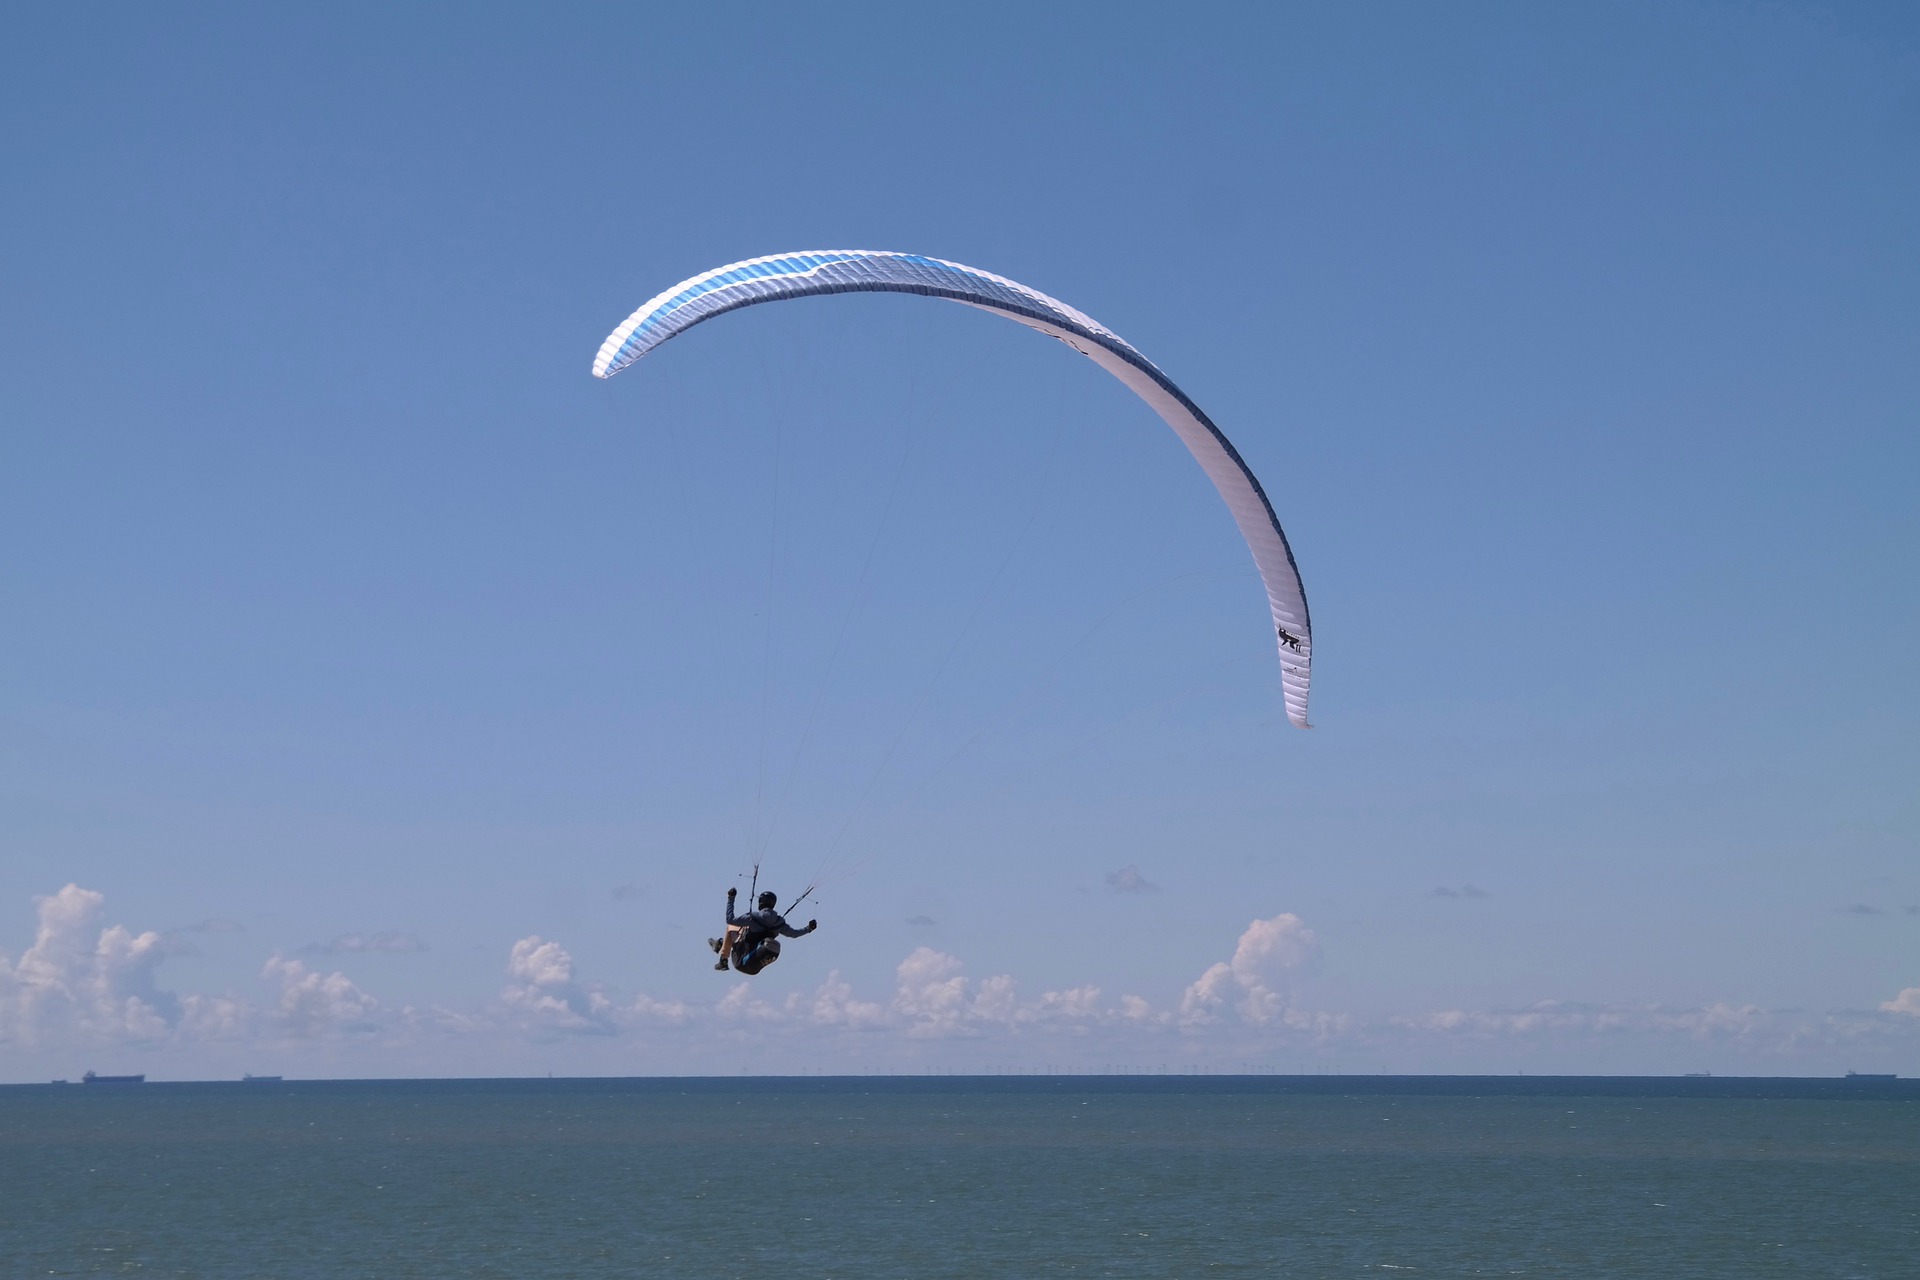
(733, 893)
(812, 925)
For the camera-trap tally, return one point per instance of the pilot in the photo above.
(752, 941)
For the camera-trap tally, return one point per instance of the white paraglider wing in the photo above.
(800, 275)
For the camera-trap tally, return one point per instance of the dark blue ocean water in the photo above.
(1161, 1177)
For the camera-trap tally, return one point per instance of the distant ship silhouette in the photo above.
(91, 1078)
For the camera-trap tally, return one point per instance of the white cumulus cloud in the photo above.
(1256, 982)
(833, 1004)
(934, 997)
(313, 1003)
(544, 995)
(930, 992)
(79, 979)
(1907, 1002)
(741, 1003)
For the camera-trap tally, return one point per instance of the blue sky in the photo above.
(419, 695)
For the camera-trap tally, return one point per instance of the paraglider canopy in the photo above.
(799, 275)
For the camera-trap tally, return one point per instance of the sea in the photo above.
(924, 1177)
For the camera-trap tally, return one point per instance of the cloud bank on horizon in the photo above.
(84, 984)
